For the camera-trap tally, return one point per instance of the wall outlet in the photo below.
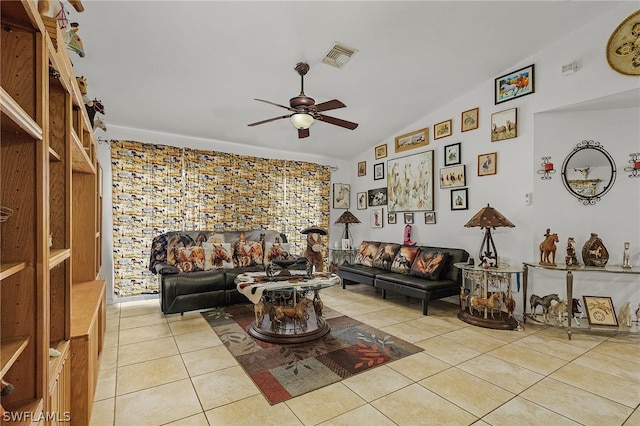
(527, 198)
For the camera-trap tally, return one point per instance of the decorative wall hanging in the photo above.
(452, 177)
(600, 311)
(452, 154)
(412, 140)
(408, 218)
(442, 130)
(634, 168)
(378, 171)
(459, 199)
(377, 197)
(504, 125)
(588, 172)
(410, 182)
(381, 151)
(469, 120)
(429, 218)
(391, 218)
(488, 164)
(623, 52)
(341, 194)
(546, 168)
(514, 84)
(362, 168)
(376, 218)
(362, 200)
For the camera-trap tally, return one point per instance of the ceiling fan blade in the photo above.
(303, 133)
(332, 104)
(337, 121)
(273, 103)
(268, 120)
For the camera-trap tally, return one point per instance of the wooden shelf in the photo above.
(8, 269)
(56, 362)
(80, 160)
(58, 256)
(54, 156)
(16, 115)
(11, 349)
(32, 406)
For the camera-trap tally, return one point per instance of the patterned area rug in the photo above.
(285, 371)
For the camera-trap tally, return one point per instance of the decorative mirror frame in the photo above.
(588, 199)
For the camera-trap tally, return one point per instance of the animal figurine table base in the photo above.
(501, 320)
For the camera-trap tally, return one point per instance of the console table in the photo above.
(613, 269)
(477, 283)
(341, 256)
(288, 309)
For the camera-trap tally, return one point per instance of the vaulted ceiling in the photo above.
(194, 67)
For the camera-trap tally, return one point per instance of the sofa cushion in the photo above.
(429, 264)
(217, 256)
(363, 270)
(275, 250)
(189, 259)
(367, 252)
(386, 253)
(455, 256)
(404, 259)
(413, 281)
(247, 252)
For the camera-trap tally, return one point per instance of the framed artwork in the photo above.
(376, 218)
(378, 171)
(442, 130)
(429, 218)
(459, 199)
(452, 154)
(412, 140)
(391, 218)
(514, 84)
(504, 125)
(362, 168)
(487, 164)
(469, 120)
(381, 151)
(362, 200)
(377, 197)
(600, 310)
(452, 177)
(410, 182)
(408, 218)
(341, 195)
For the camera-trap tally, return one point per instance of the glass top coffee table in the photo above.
(288, 309)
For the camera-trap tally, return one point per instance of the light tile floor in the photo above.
(174, 370)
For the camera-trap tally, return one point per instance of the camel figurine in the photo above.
(548, 249)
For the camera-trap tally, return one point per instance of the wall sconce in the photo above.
(547, 168)
(634, 168)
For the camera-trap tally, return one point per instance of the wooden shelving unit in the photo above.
(48, 247)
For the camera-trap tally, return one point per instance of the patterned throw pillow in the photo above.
(404, 259)
(386, 253)
(429, 264)
(367, 252)
(217, 256)
(190, 259)
(274, 250)
(247, 253)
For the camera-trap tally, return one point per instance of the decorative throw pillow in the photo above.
(275, 250)
(429, 264)
(248, 253)
(366, 252)
(217, 256)
(404, 259)
(386, 253)
(189, 259)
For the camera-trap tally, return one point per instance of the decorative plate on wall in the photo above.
(623, 48)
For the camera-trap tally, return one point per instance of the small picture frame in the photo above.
(408, 218)
(377, 197)
(377, 219)
(452, 154)
(459, 199)
(600, 311)
(488, 164)
(514, 84)
(378, 171)
(412, 140)
(391, 218)
(361, 198)
(469, 120)
(362, 168)
(346, 244)
(442, 130)
(341, 195)
(453, 176)
(429, 218)
(504, 125)
(381, 151)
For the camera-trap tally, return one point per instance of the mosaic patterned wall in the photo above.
(158, 188)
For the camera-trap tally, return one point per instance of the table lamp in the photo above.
(347, 218)
(488, 218)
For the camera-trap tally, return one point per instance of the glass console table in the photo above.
(486, 296)
(613, 269)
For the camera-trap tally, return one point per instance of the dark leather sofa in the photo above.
(185, 287)
(385, 276)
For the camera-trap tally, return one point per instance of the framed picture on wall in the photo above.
(391, 218)
(504, 125)
(376, 217)
(377, 197)
(429, 218)
(442, 130)
(362, 168)
(381, 151)
(469, 120)
(378, 171)
(459, 199)
(412, 191)
(341, 195)
(452, 154)
(412, 140)
(362, 200)
(487, 164)
(408, 218)
(514, 84)
(452, 177)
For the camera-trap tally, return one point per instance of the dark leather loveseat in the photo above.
(422, 272)
(196, 269)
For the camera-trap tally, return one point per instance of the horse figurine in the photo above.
(297, 312)
(258, 310)
(624, 318)
(544, 301)
(491, 303)
(95, 106)
(575, 310)
(548, 249)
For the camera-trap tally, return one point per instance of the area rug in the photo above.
(286, 371)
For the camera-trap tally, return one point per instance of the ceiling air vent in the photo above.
(339, 55)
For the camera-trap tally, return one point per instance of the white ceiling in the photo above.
(193, 67)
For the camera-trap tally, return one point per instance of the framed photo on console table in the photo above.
(600, 311)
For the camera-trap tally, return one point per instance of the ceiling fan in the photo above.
(305, 111)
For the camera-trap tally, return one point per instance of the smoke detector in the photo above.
(339, 55)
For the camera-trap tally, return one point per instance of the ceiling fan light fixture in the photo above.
(301, 120)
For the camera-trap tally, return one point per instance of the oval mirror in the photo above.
(588, 172)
